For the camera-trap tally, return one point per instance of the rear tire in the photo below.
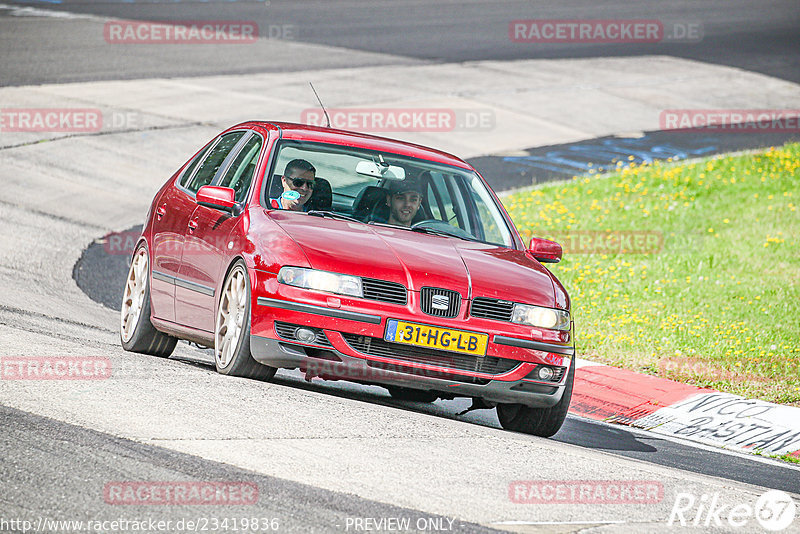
(232, 329)
(136, 332)
(544, 422)
(412, 395)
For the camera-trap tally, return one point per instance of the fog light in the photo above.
(305, 335)
(546, 373)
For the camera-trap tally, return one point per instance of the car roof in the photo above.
(305, 132)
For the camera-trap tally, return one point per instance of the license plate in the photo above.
(422, 335)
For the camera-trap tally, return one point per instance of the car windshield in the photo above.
(388, 189)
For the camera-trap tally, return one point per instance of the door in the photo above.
(172, 213)
(206, 249)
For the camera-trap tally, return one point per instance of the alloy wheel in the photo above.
(133, 298)
(230, 317)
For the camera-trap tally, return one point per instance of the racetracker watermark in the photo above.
(55, 368)
(604, 31)
(586, 491)
(677, 367)
(57, 120)
(614, 242)
(774, 511)
(123, 243)
(326, 369)
(65, 120)
(181, 32)
(403, 119)
(731, 120)
(180, 493)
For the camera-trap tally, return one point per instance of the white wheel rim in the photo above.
(133, 298)
(230, 317)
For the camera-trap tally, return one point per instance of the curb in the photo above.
(670, 408)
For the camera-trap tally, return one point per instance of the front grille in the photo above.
(289, 332)
(485, 308)
(558, 373)
(384, 291)
(439, 302)
(375, 346)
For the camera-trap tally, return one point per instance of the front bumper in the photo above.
(350, 346)
(331, 364)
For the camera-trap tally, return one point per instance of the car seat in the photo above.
(366, 201)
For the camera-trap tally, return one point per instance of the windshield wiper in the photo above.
(333, 215)
(444, 233)
(426, 230)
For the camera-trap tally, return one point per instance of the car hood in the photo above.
(419, 260)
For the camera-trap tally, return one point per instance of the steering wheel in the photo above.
(424, 222)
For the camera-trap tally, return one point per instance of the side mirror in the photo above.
(218, 198)
(545, 251)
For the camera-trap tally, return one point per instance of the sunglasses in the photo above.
(299, 182)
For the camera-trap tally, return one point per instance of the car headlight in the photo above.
(341, 284)
(540, 317)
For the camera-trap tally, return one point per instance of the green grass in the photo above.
(789, 458)
(718, 304)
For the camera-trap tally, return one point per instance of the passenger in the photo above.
(404, 200)
(298, 186)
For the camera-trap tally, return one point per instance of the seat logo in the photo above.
(440, 302)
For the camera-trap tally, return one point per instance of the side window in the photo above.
(439, 198)
(448, 190)
(190, 168)
(240, 173)
(461, 211)
(433, 202)
(210, 166)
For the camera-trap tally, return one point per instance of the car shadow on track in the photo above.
(576, 431)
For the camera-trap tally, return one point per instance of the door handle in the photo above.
(161, 211)
(192, 225)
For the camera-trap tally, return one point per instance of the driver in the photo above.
(404, 200)
(298, 186)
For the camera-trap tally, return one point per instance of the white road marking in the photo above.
(19, 11)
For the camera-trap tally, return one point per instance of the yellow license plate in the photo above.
(434, 337)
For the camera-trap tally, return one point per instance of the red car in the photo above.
(353, 257)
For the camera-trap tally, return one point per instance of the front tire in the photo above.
(544, 422)
(136, 332)
(232, 329)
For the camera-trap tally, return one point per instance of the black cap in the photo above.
(409, 184)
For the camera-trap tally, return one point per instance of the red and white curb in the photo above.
(671, 408)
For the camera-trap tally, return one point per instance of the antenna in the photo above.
(320, 104)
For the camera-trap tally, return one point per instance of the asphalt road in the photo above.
(756, 36)
(45, 460)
